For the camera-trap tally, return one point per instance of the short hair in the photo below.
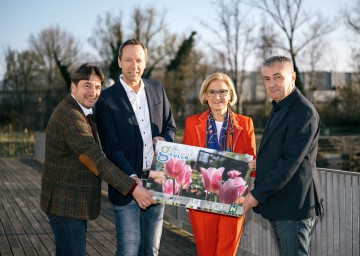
(132, 41)
(217, 76)
(85, 71)
(275, 59)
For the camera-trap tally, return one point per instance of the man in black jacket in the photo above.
(287, 189)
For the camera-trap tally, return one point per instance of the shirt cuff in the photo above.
(133, 188)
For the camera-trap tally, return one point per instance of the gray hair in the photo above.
(282, 59)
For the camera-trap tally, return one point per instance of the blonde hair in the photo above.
(222, 77)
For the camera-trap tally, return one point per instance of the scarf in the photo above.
(226, 134)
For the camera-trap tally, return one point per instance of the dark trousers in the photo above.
(70, 235)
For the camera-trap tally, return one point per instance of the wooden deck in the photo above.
(24, 228)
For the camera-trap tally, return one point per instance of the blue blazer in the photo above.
(119, 130)
(287, 184)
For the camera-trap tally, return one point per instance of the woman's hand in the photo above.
(252, 165)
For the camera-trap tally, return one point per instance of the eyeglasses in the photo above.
(221, 93)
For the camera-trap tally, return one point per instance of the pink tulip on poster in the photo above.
(168, 187)
(233, 174)
(173, 167)
(230, 190)
(210, 178)
(184, 177)
(240, 181)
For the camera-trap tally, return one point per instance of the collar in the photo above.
(283, 102)
(87, 111)
(128, 88)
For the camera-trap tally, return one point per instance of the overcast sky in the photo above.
(21, 18)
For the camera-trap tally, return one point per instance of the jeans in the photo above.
(138, 232)
(293, 236)
(70, 235)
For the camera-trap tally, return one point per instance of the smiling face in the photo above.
(279, 80)
(213, 96)
(132, 62)
(87, 92)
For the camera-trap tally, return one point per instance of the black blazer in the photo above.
(119, 130)
(287, 184)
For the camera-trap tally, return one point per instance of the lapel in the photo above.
(123, 99)
(94, 132)
(150, 99)
(278, 120)
(237, 130)
(200, 127)
(93, 129)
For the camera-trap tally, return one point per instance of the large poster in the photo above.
(199, 178)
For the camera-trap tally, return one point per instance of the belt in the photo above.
(145, 174)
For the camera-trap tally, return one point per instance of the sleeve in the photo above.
(251, 147)
(110, 138)
(169, 126)
(79, 138)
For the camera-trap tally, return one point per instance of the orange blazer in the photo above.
(243, 139)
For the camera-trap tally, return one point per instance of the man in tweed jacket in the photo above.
(75, 166)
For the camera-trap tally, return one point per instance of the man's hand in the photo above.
(138, 181)
(250, 202)
(143, 197)
(156, 139)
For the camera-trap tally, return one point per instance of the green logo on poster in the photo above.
(233, 208)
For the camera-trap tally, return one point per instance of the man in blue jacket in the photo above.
(132, 115)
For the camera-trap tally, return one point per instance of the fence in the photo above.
(16, 144)
(336, 232)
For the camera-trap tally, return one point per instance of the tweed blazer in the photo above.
(287, 184)
(74, 166)
(119, 129)
(243, 139)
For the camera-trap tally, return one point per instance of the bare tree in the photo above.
(19, 84)
(266, 42)
(107, 37)
(57, 51)
(146, 25)
(290, 17)
(352, 17)
(235, 34)
(313, 56)
(149, 26)
(352, 21)
(182, 76)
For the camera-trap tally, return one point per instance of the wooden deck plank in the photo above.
(24, 227)
(24, 181)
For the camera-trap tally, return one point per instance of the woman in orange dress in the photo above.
(221, 129)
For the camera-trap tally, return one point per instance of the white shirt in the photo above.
(87, 111)
(139, 104)
(218, 128)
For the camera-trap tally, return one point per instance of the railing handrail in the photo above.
(338, 171)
